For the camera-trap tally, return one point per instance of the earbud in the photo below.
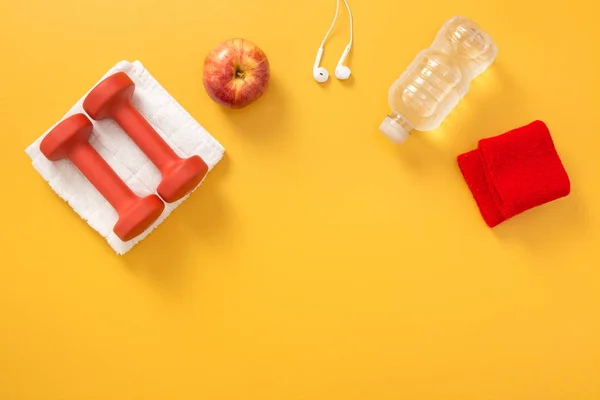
(342, 71)
(319, 73)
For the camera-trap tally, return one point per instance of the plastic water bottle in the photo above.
(438, 78)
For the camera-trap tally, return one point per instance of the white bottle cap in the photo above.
(393, 130)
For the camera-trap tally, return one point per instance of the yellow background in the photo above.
(318, 260)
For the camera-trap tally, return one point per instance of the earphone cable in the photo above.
(351, 24)
(337, 8)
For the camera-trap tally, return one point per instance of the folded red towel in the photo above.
(514, 172)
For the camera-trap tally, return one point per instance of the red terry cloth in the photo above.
(514, 172)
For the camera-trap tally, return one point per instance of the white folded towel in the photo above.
(171, 121)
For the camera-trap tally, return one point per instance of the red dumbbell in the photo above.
(69, 139)
(111, 98)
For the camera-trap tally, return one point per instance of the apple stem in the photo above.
(239, 73)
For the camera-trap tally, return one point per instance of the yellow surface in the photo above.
(318, 261)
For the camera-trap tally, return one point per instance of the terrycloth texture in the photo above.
(169, 119)
(514, 172)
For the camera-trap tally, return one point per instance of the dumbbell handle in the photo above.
(102, 176)
(144, 136)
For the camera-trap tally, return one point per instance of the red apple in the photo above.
(236, 73)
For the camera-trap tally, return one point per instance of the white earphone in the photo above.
(341, 71)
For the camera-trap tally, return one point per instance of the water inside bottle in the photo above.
(438, 78)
